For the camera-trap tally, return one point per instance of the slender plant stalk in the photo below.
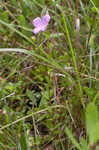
(97, 10)
(91, 63)
(77, 4)
(73, 58)
(10, 26)
(32, 53)
(77, 25)
(91, 45)
(34, 125)
(26, 137)
(30, 115)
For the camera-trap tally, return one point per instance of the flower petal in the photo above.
(46, 19)
(37, 22)
(43, 28)
(36, 30)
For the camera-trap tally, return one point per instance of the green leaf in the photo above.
(5, 16)
(92, 122)
(94, 136)
(23, 142)
(91, 116)
(84, 144)
(49, 124)
(91, 42)
(14, 2)
(40, 2)
(24, 10)
(89, 92)
(29, 94)
(22, 20)
(70, 135)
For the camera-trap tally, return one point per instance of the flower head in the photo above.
(40, 24)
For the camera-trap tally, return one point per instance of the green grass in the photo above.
(49, 82)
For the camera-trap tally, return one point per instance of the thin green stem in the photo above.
(73, 58)
(30, 115)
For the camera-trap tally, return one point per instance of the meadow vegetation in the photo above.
(49, 81)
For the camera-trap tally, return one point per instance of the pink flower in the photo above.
(40, 24)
